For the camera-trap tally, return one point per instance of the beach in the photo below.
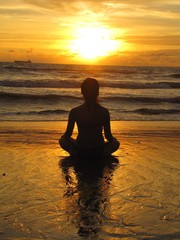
(44, 196)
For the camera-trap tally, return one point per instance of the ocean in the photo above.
(47, 92)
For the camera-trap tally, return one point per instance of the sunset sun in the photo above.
(93, 42)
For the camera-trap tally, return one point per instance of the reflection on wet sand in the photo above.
(87, 184)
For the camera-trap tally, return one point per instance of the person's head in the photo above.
(90, 90)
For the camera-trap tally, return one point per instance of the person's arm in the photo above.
(107, 127)
(70, 125)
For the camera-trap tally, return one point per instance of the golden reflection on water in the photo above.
(87, 184)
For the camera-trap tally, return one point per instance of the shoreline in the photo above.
(51, 131)
(67, 120)
(165, 123)
(117, 127)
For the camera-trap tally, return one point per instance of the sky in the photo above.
(127, 32)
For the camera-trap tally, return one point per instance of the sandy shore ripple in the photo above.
(44, 196)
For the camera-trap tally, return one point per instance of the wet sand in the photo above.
(44, 195)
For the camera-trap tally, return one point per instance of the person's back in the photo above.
(91, 119)
(90, 122)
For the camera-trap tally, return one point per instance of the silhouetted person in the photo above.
(91, 119)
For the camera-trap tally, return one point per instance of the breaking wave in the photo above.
(55, 97)
(76, 84)
(19, 96)
(146, 111)
(44, 112)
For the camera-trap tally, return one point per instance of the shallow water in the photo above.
(44, 195)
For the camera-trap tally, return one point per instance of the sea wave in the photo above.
(175, 75)
(147, 111)
(41, 84)
(31, 68)
(145, 99)
(54, 97)
(18, 96)
(61, 68)
(43, 112)
(140, 111)
(135, 85)
(76, 84)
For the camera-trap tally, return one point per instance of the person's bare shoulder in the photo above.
(76, 110)
(103, 109)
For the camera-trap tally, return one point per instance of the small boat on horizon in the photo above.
(22, 62)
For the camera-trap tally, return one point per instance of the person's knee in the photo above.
(115, 144)
(111, 147)
(63, 142)
(67, 144)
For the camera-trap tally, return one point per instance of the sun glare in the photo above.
(92, 42)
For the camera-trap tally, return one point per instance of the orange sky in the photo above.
(127, 32)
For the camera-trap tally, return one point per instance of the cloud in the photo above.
(11, 51)
(102, 5)
(163, 57)
(112, 13)
(30, 50)
(9, 3)
(168, 40)
(74, 7)
(134, 16)
(50, 24)
(18, 12)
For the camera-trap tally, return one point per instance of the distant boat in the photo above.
(22, 62)
(18, 64)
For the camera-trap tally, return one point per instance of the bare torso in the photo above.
(90, 122)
